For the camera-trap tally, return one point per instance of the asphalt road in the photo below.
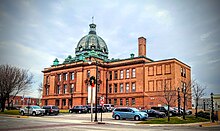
(79, 122)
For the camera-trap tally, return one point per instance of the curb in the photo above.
(14, 116)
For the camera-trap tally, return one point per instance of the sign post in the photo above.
(91, 94)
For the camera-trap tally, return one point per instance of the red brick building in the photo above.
(19, 101)
(135, 81)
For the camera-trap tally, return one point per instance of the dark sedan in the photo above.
(154, 113)
(79, 109)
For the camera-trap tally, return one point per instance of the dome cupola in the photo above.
(92, 45)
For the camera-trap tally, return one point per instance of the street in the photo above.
(80, 122)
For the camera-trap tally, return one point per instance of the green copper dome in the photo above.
(92, 45)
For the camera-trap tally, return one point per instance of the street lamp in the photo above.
(212, 114)
(178, 100)
(204, 104)
(184, 101)
(71, 99)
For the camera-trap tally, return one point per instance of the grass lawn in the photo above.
(64, 111)
(175, 120)
(10, 112)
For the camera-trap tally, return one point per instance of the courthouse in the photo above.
(136, 81)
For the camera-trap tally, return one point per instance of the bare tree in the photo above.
(40, 89)
(13, 80)
(168, 94)
(186, 90)
(198, 93)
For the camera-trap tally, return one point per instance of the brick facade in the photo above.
(136, 81)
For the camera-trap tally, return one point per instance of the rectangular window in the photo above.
(99, 74)
(64, 102)
(110, 88)
(121, 102)
(47, 79)
(72, 88)
(58, 89)
(133, 101)
(115, 75)
(127, 73)
(127, 101)
(121, 74)
(46, 102)
(115, 88)
(115, 101)
(72, 76)
(133, 87)
(47, 90)
(181, 70)
(88, 73)
(133, 73)
(127, 87)
(121, 88)
(110, 75)
(110, 101)
(184, 72)
(65, 75)
(65, 89)
(59, 77)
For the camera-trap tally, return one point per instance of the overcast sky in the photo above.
(35, 32)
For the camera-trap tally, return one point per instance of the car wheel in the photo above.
(34, 113)
(157, 116)
(71, 111)
(117, 117)
(80, 112)
(170, 114)
(48, 113)
(22, 113)
(137, 118)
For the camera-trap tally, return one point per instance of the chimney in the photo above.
(142, 46)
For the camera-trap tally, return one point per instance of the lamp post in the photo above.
(204, 104)
(184, 101)
(71, 99)
(178, 100)
(212, 114)
(96, 88)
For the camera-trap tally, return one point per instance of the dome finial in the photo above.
(92, 19)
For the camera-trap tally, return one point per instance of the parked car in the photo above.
(109, 107)
(165, 110)
(154, 113)
(188, 112)
(51, 109)
(99, 108)
(128, 113)
(32, 110)
(79, 109)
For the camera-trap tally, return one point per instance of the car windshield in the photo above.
(166, 107)
(134, 109)
(36, 107)
(54, 107)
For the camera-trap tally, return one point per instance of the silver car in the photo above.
(32, 110)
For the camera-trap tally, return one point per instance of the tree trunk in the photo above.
(196, 108)
(168, 112)
(3, 105)
(8, 102)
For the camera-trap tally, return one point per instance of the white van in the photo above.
(109, 107)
